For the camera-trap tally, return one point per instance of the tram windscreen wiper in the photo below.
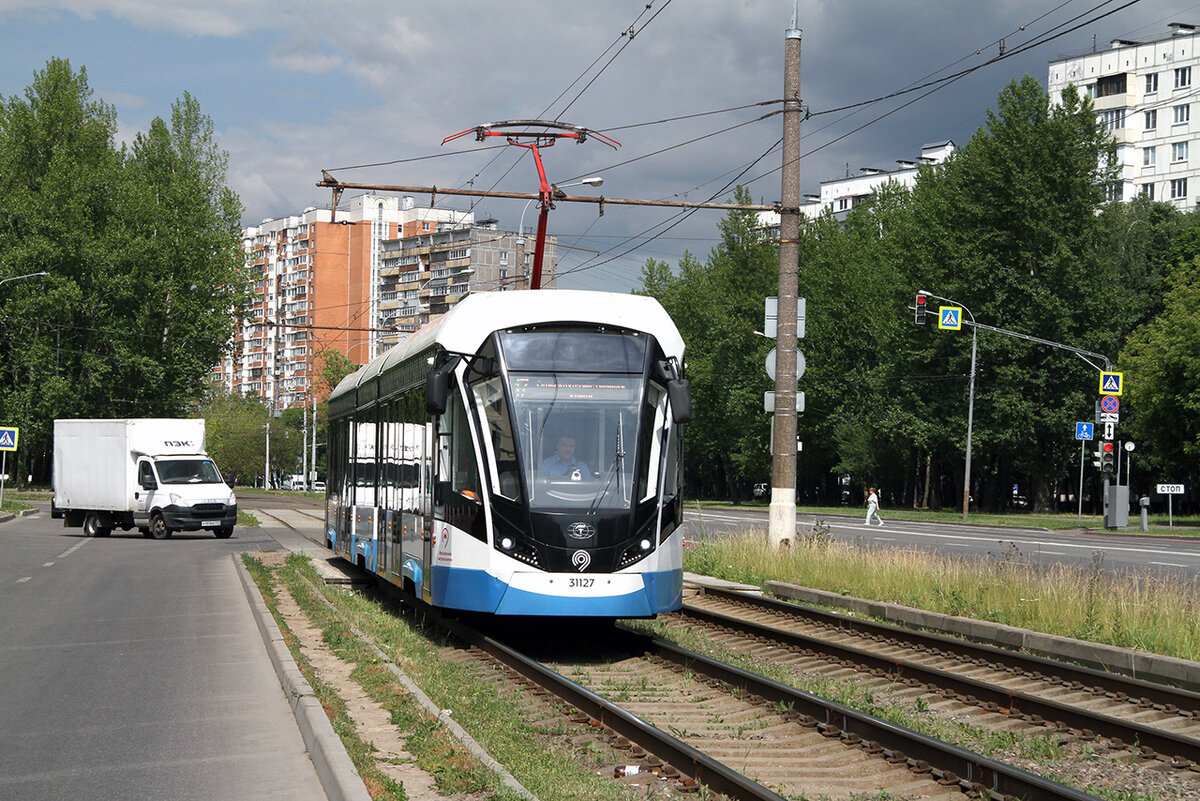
(614, 469)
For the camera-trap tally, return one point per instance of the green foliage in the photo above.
(141, 244)
(1015, 227)
(717, 306)
(236, 430)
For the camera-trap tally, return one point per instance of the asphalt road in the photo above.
(1126, 551)
(132, 668)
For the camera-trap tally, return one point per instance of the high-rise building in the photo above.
(1143, 92)
(317, 287)
(424, 275)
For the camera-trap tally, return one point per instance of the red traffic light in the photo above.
(919, 317)
(1107, 447)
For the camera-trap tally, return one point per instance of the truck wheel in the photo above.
(224, 533)
(92, 526)
(158, 527)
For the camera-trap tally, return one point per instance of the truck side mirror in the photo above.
(149, 484)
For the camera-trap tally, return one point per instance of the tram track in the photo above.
(745, 736)
(1153, 722)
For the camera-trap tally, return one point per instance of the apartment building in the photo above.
(1144, 92)
(424, 275)
(839, 196)
(317, 287)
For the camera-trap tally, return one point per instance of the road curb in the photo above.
(337, 773)
(1136, 664)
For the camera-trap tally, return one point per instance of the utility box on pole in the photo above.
(1116, 509)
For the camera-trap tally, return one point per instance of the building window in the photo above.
(504, 257)
(1148, 191)
(1181, 114)
(843, 203)
(1179, 151)
(1113, 119)
(1112, 191)
(424, 226)
(1151, 119)
(1152, 83)
(1183, 77)
(1112, 85)
(1149, 155)
(1178, 188)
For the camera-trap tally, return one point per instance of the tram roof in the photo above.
(465, 327)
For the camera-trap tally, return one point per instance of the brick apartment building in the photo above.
(357, 285)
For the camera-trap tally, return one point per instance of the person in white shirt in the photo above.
(873, 506)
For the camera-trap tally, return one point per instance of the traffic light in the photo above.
(1107, 458)
(920, 316)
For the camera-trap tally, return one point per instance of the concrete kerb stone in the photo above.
(1156, 668)
(336, 771)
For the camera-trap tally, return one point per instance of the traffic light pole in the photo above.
(782, 515)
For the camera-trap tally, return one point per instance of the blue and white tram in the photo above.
(521, 455)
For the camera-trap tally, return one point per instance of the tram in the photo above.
(520, 455)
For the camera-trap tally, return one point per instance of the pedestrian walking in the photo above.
(873, 506)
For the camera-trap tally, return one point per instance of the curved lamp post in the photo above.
(970, 401)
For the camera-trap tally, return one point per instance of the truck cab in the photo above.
(182, 493)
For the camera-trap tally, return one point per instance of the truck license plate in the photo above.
(211, 523)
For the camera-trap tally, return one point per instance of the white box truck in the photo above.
(152, 474)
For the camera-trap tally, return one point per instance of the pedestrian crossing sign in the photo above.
(950, 317)
(8, 438)
(1111, 383)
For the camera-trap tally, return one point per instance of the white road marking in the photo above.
(23, 580)
(47, 564)
(72, 549)
(1168, 564)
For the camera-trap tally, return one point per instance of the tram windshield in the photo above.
(566, 425)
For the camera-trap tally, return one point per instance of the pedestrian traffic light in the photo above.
(920, 316)
(1107, 458)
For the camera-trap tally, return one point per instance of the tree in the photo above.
(146, 279)
(1163, 380)
(717, 306)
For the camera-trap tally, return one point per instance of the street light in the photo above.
(19, 277)
(970, 400)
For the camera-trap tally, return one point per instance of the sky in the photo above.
(687, 87)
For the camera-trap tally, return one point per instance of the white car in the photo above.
(318, 486)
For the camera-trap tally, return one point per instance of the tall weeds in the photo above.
(1159, 612)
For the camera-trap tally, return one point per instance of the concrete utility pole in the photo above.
(782, 525)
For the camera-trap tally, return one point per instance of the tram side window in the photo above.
(653, 420)
(464, 471)
(501, 445)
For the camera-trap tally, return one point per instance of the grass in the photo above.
(1158, 613)
(546, 766)
(1185, 526)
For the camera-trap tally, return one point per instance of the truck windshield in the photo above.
(188, 471)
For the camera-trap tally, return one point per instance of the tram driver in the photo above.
(563, 464)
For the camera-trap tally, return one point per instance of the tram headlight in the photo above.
(645, 545)
(506, 544)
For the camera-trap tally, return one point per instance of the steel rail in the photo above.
(970, 771)
(1021, 702)
(1159, 694)
(687, 760)
(950, 762)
